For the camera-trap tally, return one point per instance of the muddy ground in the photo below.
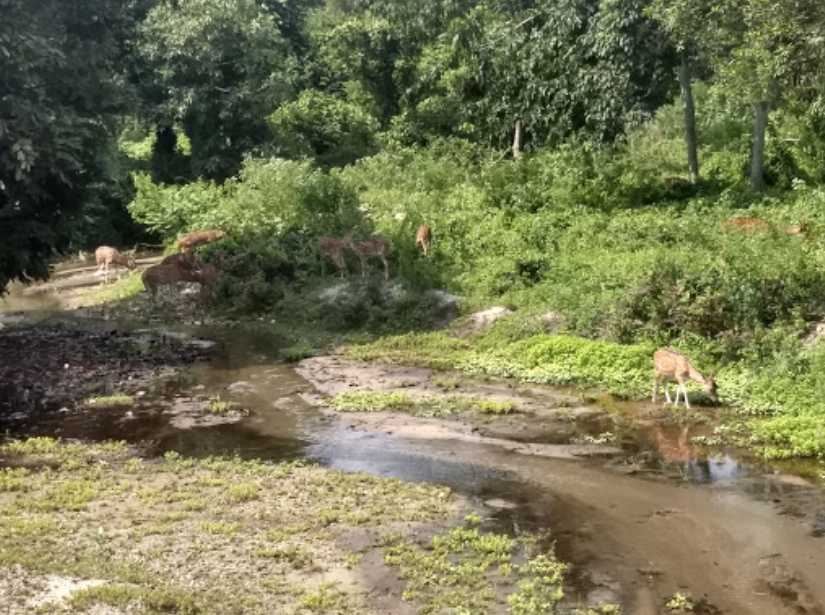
(46, 367)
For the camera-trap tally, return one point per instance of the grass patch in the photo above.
(127, 597)
(124, 288)
(110, 401)
(219, 406)
(134, 522)
(465, 570)
(426, 406)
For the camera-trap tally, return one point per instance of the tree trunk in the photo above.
(690, 119)
(517, 137)
(760, 125)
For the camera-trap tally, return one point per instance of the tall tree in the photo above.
(679, 18)
(60, 93)
(218, 68)
(760, 49)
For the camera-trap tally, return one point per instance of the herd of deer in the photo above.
(668, 364)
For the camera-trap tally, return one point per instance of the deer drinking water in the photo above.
(423, 238)
(671, 366)
(106, 256)
(192, 240)
(377, 247)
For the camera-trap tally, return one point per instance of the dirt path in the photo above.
(641, 539)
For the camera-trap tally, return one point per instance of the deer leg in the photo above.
(363, 266)
(667, 394)
(386, 268)
(655, 389)
(685, 395)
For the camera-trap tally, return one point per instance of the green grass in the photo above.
(464, 569)
(424, 406)
(110, 401)
(126, 287)
(90, 511)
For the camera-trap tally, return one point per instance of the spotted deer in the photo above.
(758, 225)
(185, 260)
(672, 366)
(106, 256)
(171, 273)
(192, 240)
(423, 238)
(333, 249)
(376, 247)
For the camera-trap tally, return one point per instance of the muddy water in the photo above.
(657, 516)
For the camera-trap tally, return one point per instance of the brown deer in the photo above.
(377, 247)
(671, 366)
(106, 256)
(333, 249)
(423, 238)
(192, 240)
(754, 225)
(184, 260)
(165, 275)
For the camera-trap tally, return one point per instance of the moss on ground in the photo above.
(224, 535)
(426, 406)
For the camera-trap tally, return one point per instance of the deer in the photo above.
(106, 256)
(333, 249)
(672, 366)
(184, 260)
(377, 247)
(423, 238)
(192, 240)
(163, 275)
(751, 225)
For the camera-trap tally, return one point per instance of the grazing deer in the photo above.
(190, 241)
(165, 275)
(671, 366)
(333, 249)
(752, 225)
(377, 247)
(106, 256)
(423, 238)
(184, 260)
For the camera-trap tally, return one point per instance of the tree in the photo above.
(321, 126)
(760, 49)
(218, 68)
(679, 18)
(60, 94)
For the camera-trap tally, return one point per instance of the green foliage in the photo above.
(318, 125)
(60, 98)
(218, 69)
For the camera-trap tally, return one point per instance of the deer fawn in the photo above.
(190, 241)
(165, 275)
(377, 247)
(751, 225)
(106, 256)
(333, 249)
(671, 366)
(423, 238)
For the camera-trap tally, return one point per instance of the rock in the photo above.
(242, 387)
(819, 525)
(552, 321)
(815, 334)
(500, 504)
(482, 320)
